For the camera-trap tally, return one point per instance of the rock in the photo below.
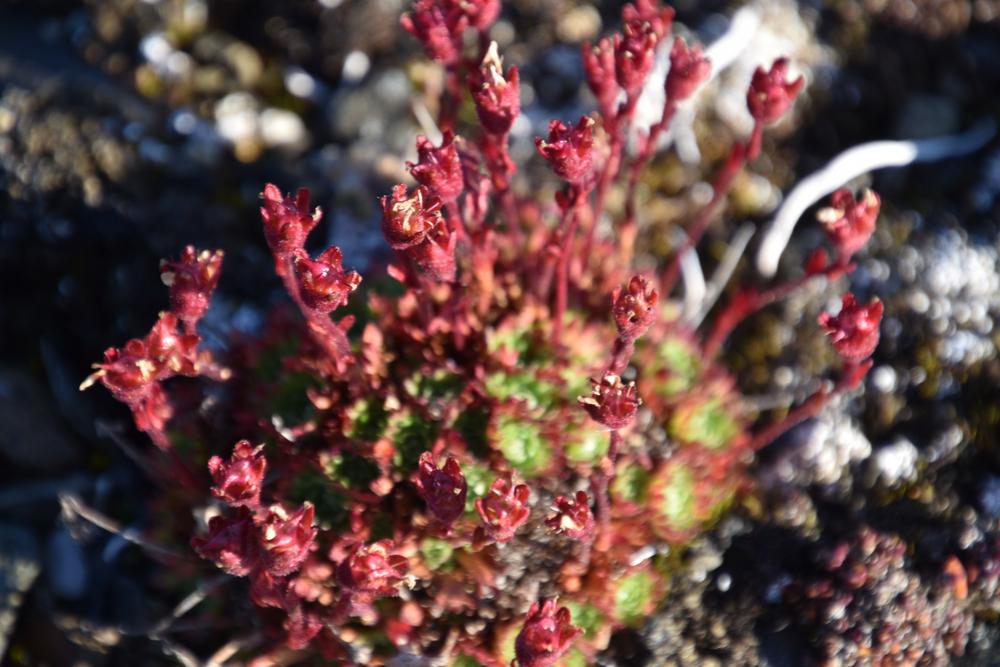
(65, 565)
(895, 462)
(30, 437)
(19, 566)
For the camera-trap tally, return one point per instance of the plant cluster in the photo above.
(475, 439)
(866, 607)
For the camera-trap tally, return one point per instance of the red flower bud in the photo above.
(854, 330)
(660, 19)
(435, 257)
(573, 517)
(443, 489)
(191, 279)
(817, 262)
(406, 221)
(688, 70)
(231, 544)
(611, 402)
(238, 480)
(546, 635)
(569, 150)
(287, 221)
(599, 68)
(480, 13)
(771, 94)
(497, 99)
(634, 308)
(302, 626)
(503, 509)
(286, 539)
(635, 52)
(371, 570)
(850, 222)
(323, 283)
(439, 168)
(438, 30)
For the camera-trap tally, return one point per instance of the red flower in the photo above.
(688, 70)
(406, 220)
(850, 222)
(443, 489)
(771, 94)
(497, 99)
(371, 570)
(569, 150)
(171, 352)
(546, 635)
(287, 221)
(191, 279)
(127, 372)
(635, 52)
(611, 402)
(599, 68)
(573, 517)
(238, 480)
(323, 283)
(286, 539)
(854, 330)
(634, 308)
(439, 168)
(231, 544)
(503, 509)
(438, 29)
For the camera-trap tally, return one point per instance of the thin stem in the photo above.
(324, 330)
(736, 160)
(627, 235)
(849, 376)
(568, 225)
(752, 299)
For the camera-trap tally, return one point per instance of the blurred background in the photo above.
(130, 128)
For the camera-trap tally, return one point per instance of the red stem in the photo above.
(568, 226)
(752, 299)
(324, 331)
(737, 159)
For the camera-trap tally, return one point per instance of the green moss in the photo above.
(523, 446)
(473, 425)
(633, 596)
(465, 661)
(573, 658)
(288, 397)
(631, 484)
(536, 394)
(331, 506)
(585, 616)
(478, 478)
(708, 423)
(351, 470)
(412, 436)
(436, 553)
(587, 445)
(676, 501)
(682, 365)
(368, 419)
(440, 384)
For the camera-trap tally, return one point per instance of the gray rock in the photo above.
(19, 566)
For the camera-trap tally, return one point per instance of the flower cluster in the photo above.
(517, 362)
